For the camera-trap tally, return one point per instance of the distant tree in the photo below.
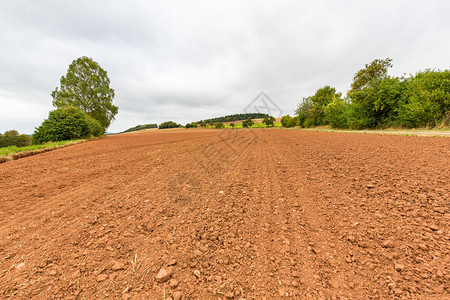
(219, 125)
(67, 123)
(86, 85)
(169, 124)
(232, 125)
(13, 138)
(248, 123)
(287, 121)
(269, 121)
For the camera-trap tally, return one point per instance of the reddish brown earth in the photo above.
(229, 214)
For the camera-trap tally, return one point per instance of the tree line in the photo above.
(377, 100)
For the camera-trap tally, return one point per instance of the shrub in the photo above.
(232, 125)
(66, 123)
(337, 113)
(287, 121)
(169, 124)
(219, 125)
(248, 123)
(13, 138)
(426, 99)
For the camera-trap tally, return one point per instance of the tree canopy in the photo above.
(86, 85)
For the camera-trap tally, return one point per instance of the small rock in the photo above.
(388, 244)
(399, 267)
(221, 192)
(197, 273)
(423, 246)
(295, 274)
(197, 253)
(173, 283)
(102, 277)
(164, 274)
(398, 291)
(229, 295)
(294, 283)
(52, 272)
(433, 227)
(172, 262)
(75, 274)
(20, 266)
(117, 266)
(177, 295)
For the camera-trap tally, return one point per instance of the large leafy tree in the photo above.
(86, 85)
(320, 100)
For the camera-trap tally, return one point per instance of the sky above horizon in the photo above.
(190, 60)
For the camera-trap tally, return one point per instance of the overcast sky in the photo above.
(190, 60)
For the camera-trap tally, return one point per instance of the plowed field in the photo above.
(229, 214)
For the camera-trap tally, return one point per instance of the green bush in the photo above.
(337, 113)
(426, 99)
(287, 121)
(169, 124)
(219, 125)
(66, 123)
(13, 138)
(248, 123)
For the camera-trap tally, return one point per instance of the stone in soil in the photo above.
(164, 274)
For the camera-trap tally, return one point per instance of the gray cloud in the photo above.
(187, 61)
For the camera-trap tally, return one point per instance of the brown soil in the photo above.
(229, 214)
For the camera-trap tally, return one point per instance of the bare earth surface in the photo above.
(229, 214)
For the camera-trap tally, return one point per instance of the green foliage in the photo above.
(13, 138)
(169, 124)
(378, 103)
(319, 101)
(219, 125)
(86, 85)
(337, 113)
(68, 123)
(288, 121)
(304, 111)
(141, 127)
(248, 123)
(426, 99)
(191, 125)
(232, 125)
(373, 71)
(269, 121)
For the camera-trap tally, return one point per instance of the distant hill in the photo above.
(235, 117)
(141, 127)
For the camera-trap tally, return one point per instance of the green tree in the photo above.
(232, 125)
(169, 124)
(66, 123)
(319, 101)
(304, 111)
(287, 121)
(337, 113)
(426, 99)
(269, 121)
(375, 96)
(248, 123)
(375, 70)
(10, 138)
(219, 125)
(86, 85)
